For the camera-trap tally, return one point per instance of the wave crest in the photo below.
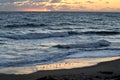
(37, 35)
(24, 25)
(58, 34)
(98, 44)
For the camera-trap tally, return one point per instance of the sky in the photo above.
(60, 5)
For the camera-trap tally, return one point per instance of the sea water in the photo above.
(31, 39)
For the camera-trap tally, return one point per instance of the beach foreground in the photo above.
(103, 71)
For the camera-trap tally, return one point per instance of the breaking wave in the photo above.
(58, 34)
(98, 44)
(37, 35)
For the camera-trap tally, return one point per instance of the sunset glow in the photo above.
(35, 10)
(60, 5)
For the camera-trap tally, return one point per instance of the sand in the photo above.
(103, 71)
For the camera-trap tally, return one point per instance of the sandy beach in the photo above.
(102, 71)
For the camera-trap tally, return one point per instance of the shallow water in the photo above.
(65, 64)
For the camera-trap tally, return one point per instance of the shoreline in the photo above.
(65, 64)
(108, 69)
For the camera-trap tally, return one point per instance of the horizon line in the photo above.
(64, 11)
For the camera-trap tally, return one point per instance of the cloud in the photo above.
(64, 8)
(91, 2)
(55, 1)
(18, 5)
(9, 1)
(59, 5)
(109, 9)
(39, 0)
(51, 8)
(107, 2)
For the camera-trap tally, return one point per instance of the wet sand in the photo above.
(109, 70)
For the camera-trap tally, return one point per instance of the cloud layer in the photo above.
(59, 5)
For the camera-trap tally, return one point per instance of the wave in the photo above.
(36, 35)
(94, 33)
(1, 19)
(112, 16)
(24, 25)
(102, 32)
(29, 19)
(86, 22)
(35, 59)
(35, 25)
(97, 19)
(58, 34)
(64, 24)
(1, 43)
(98, 44)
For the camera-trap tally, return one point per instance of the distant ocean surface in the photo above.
(28, 38)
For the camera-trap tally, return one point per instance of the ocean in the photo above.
(37, 38)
